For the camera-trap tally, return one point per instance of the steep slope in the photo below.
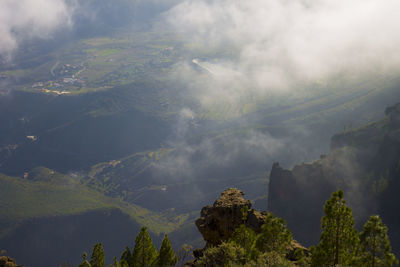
(364, 162)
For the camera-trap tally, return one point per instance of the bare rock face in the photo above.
(217, 223)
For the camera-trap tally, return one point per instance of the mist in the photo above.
(277, 46)
(154, 107)
(26, 19)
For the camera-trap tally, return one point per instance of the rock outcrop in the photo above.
(217, 223)
(8, 262)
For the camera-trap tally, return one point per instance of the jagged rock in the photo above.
(217, 223)
(8, 262)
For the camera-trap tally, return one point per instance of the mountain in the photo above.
(364, 162)
(99, 125)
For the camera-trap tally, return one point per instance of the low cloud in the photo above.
(279, 46)
(197, 161)
(193, 160)
(25, 19)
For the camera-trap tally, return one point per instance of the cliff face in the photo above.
(291, 197)
(217, 223)
(364, 162)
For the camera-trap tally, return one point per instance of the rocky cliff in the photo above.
(217, 223)
(364, 162)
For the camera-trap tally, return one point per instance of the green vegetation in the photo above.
(144, 253)
(339, 240)
(226, 254)
(53, 194)
(274, 235)
(97, 258)
(246, 248)
(245, 237)
(340, 245)
(40, 199)
(166, 256)
(375, 244)
(123, 171)
(99, 63)
(85, 263)
(131, 68)
(126, 258)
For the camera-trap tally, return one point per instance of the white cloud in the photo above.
(30, 18)
(280, 44)
(188, 160)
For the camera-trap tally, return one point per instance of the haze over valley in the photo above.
(122, 114)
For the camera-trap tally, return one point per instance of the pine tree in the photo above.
(85, 263)
(166, 256)
(144, 252)
(115, 263)
(123, 263)
(245, 238)
(127, 257)
(339, 240)
(375, 245)
(97, 258)
(274, 236)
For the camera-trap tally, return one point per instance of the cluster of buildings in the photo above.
(64, 82)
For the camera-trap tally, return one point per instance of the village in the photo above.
(66, 80)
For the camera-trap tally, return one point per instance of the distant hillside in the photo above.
(48, 208)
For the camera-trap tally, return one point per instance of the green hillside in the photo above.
(53, 194)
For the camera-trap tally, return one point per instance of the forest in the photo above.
(341, 244)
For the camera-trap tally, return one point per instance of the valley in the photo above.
(102, 130)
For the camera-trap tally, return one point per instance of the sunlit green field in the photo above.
(23, 199)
